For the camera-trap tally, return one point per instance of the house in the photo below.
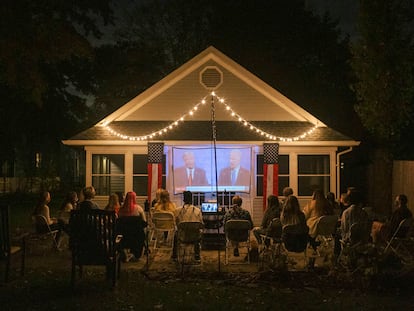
(212, 105)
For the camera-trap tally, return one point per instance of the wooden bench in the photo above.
(93, 241)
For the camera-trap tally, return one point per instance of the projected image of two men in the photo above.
(194, 169)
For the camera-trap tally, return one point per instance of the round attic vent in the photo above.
(211, 77)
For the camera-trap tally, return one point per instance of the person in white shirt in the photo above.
(188, 213)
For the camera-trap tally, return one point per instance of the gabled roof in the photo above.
(182, 89)
(239, 91)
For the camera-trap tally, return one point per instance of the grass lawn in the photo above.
(46, 286)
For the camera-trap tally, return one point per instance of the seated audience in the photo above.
(355, 214)
(164, 204)
(130, 207)
(188, 213)
(383, 231)
(88, 195)
(42, 209)
(121, 197)
(316, 208)
(343, 203)
(237, 212)
(292, 216)
(133, 234)
(272, 211)
(113, 203)
(287, 191)
(330, 196)
(70, 203)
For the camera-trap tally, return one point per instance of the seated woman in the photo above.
(42, 209)
(292, 216)
(113, 203)
(316, 208)
(131, 224)
(69, 204)
(272, 211)
(164, 204)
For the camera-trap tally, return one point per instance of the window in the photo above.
(140, 173)
(108, 173)
(313, 173)
(283, 173)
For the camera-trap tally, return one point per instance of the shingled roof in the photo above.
(202, 131)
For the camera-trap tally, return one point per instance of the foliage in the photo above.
(42, 47)
(383, 65)
(290, 48)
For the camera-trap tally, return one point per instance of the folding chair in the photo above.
(237, 232)
(357, 252)
(163, 222)
(325, 230)
(400, 243)
(188, 235)
(43, 233)
(295, 240)
(270, 248)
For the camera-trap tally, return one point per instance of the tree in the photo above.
(383, 66)
(290, 48)
(42, 45)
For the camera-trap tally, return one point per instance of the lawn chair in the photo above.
(358, 253)
(295, 240)
(42, 234)
(93, 241)
(163, 222)
(188, 235)
(237, 232)
(400, 243)
(325, 230)
(271, 247)
(8, 251)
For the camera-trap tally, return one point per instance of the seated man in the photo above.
(237, 212)
(382, 232)
(188, 213)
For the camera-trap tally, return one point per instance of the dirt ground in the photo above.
(208, 285)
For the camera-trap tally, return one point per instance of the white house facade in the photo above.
(211, 105)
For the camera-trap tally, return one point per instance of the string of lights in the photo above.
(192, 111)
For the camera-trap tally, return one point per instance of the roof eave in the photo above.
(345, 143)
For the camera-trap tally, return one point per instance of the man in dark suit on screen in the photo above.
(189, 174)
(234, 175)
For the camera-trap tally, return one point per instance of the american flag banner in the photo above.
(270, 170)
(155, 154)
